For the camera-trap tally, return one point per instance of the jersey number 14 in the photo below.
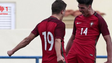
(84, 31)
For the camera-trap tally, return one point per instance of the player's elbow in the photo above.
(27, 40)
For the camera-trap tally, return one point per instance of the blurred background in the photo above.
(19, 17)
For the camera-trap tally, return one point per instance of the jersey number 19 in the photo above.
(46, 39)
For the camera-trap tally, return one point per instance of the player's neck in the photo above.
(90, 12)
(56, 16)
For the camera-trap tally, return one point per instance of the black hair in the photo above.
(86, 2)
(58, 0)
(58, 6)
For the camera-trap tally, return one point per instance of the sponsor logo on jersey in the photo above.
(78, 22)
(91, 24)
(91, 54)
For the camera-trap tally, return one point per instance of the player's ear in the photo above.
(62, 12)
(89, 6)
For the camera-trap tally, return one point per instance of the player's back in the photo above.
(47, 33)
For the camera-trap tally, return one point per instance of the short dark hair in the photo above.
(58, 6)
(86, 2)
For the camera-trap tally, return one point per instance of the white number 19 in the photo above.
(46, 39)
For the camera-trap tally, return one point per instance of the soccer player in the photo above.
(51, 31)
(81, 47)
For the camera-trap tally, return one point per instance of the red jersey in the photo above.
(87, 31)
(50, 29)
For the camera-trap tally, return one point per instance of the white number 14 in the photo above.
(84, 31)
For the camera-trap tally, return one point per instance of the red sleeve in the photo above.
(60, 31)
(103, 26)
(35, 31)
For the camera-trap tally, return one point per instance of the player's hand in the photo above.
(10, 53)
(60, 59)
(108, 62)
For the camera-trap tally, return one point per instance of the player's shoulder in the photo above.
(98, 15)
(54, 20)
(100, 18)
(61, 22)
(57, 21)
(43, 21)
(79, 16)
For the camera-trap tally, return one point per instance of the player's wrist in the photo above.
(13, 51)
(58, 55)
(109, 60)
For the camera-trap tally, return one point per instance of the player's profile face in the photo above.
(83, 9)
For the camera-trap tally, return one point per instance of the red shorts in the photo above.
(79, 59)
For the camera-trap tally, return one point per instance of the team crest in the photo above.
(91, 24)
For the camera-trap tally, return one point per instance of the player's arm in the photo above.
(69, 44)
(103, 27)
(58, 50)
(22, 44)
(109, 48)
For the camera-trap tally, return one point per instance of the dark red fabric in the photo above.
(50, 29)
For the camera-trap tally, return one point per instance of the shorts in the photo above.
(79, 59)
